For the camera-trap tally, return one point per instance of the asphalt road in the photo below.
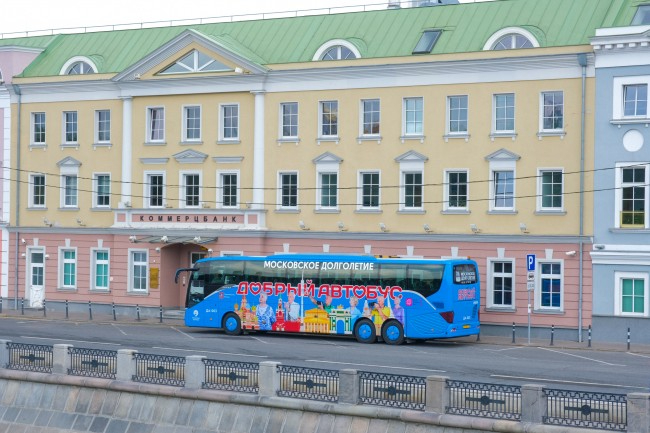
(611, 371)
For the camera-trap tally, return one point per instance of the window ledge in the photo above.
(631, 230)
(68, 209)
(411, 212)
(363, 138)
(494, 309)
(101, 209)
(333, 139)
(96, 145)
(550, 212)
(289, 140)
(551, 312)
(327, 210)
(37, 146)
(631, 121)
(69, 145)
(465, 136)
(420, 138)
(67, 289)
(100, 291)
(559, 133)
(369, 211)
(155, 143)
(502, 212)
(191, 142)
(285, 210)
(512, 135)
(131, 293)
(455, 212)
(228, 141)
(36, 208)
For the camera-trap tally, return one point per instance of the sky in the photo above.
(33, 15)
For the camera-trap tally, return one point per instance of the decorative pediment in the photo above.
(411, 156)
(503, 155)
(68, 162)
(193, 48)
(327, 158)
(190, 157)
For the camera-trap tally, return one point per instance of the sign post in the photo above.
(530, 284)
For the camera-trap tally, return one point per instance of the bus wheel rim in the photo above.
(231, 323)
(392, 332)
(365, 331)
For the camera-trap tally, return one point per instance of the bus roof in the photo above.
(324, 257)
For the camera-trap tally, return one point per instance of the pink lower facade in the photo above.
(130, 269)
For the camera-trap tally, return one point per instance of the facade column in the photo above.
(127, 150)
(5, 112)
(258, 151)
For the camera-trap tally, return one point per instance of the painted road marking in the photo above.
(72, 341)
(187, 335)
(206, 351)
(581, 357)
(501, 376)
(116, 327)
(373, 365)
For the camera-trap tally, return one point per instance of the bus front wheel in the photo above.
(364, 331)
(392, 332)
(232, 324)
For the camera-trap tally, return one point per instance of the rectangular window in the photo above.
(155, 125)
(100, 269)
(37, 189)
(504, 112)
(369, 190)
(229, 191)
(412, 190)
(192, 123)
(230, 122)
(550, 285)
(102, 126)
(552, 111)
(328, 190)
(635, 100)
(502, 280)
(155, 190)
(413, 116)
(102, 190)
(457, 190)
(370, 121)
(139, 270)
(633, 196)
(289, 119)
(550, 190)
(631, 294)
(70, 192)
(68, 269)
(504, 189)
(329, 118)
(191, 190)
(38, 128)
(458, 109)
(288, 190)
(70, 126)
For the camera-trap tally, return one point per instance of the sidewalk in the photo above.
(175, 318)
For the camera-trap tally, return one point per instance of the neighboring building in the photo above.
(621, 255)
(453, 130)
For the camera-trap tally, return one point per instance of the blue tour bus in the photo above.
(363, 296)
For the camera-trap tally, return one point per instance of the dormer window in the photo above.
(512, 42)
(511, 38)
(337, 50)
(78, 66)
(427, 41)
(196, 61)
(642, 16)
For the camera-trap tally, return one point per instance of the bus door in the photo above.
(467, 293)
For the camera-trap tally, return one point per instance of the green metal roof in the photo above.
(384, 33)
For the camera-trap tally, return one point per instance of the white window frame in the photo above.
(540, 189)
(502, 166)
(32, 191)
(280, 195)
(290, 125)
(32, 128)
(98, 127)
(618, 95)
(96, 191)
(405, 132)
(538, 285)
(183, 191)
(185, 114)
(541, 112)
(131, 273)
(360, 192)
(447, 184)
(62, 263)
(490, 43)
(449, 119)
(319, 192)
(618, 293)
(150, 127)
(146, 191)
(74, 122)
(496, 118)
(220, 186)
(490, 283)
(402, 191)
(362, 116)
(635, 116)
(321, 125)
(64, 178)
(222, 122)
(93, 269)
(318, 55)
(618, 191)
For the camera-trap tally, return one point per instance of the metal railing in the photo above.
(93, 362)
(159, 369)
(308, 383)
(484, 400)
(407, 392)
(231, 375)
(586, 409)
(30, 357)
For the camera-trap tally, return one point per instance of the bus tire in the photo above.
(392, 332)
(364, 331)
(231, 324)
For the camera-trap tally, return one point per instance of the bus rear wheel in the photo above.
(392, 332)
(364, 331)
(232, 324)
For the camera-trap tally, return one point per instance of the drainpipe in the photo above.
(582, 61)
(17, 208)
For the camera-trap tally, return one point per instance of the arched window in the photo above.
(78, 66)
(511, 38)
(337, 50)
